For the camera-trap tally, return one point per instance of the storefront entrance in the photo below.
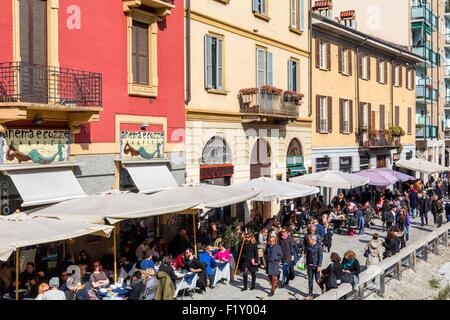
(381, 161)
(260, 163)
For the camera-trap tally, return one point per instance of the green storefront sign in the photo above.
(295, 166)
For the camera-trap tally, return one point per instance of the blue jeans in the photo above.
(361, 224)
(414, 212)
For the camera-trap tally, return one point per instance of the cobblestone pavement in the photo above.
(298, 288)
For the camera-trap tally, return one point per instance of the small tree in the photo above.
(231, 236)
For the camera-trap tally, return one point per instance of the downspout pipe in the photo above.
(310, 80)
(188, 52)
(357, 77)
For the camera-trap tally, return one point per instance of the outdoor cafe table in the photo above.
(114, 294)
(184, 280)
(223, 271)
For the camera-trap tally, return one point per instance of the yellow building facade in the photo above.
(248, 111)
(363, 92)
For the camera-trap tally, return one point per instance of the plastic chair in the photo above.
(149, 293)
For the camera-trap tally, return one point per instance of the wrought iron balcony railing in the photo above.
(376, 138)
(426, 132)
(258, 101)
(25, 82)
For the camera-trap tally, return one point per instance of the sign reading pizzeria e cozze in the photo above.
(40, 146)
(141, 145)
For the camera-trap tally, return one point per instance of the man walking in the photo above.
(413, 201)
(314, 256)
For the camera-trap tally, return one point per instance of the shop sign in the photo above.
(216, 171)
(395, 157)
(345, 164)
(364, 162)
(141, 145)
(42, 146)
(321, 164)
(409, 155)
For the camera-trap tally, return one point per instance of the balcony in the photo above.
(426, 132)
(447, 133)
(269, 104)
(160, 7)
(424, 13)
(447, 72)
(447, 39)
(377, 139)
(427, 53)
(426, 93)
(26, 88)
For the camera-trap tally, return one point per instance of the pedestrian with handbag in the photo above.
(249, 260)
(274, 256)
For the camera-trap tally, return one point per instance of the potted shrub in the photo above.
(270, 90)
(292, 96)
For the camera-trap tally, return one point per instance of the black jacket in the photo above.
(249, 252)
(392, 246)
(287, 249)
(355, 268)
(332, 274)
(314, 254)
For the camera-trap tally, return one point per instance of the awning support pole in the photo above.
(115, 254)
(17, 272)
(195, 234)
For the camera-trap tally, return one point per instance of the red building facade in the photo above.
(110, 72)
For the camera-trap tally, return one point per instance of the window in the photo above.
(214, 62)
(298, 15)
(398, 76)
(410, 79)
(409, 120)
(345, 61)
(264, 74)
(323, 115)
(323, 55)
(381, 71)
(142, 53)
(293, 74)
(260, 6)
(364, 116)
(364, 67)
(345, 115)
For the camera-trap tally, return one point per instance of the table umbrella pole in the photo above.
(115, 254)
(195, 234)
(17, 272)
(239, 258)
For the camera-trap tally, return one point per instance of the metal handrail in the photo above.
(378, 272)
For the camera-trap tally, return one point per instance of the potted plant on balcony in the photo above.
(271, 90)
(394, 133)
(419, 125)
(246, 96)
(292, 96)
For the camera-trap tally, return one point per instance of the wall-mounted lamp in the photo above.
(144, 125)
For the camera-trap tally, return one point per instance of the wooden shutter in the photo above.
(317, 113)
(290, 82)
(360, 61)
(341, 67)
(378, 70)
(330, 115)
(413, 79)
(400, 77)
(269, 69)
(140, 57)
(360, 115)
(397, 115)
(255, 5)
(341, 115)
(302, 15)
(350, 116)
(317, 53)
(368, 67)
(219, 73)
(409, 121)
(382, 117)
(328, 56)
(350, 62)
(385, 65)
(369, 117)
(208, 62)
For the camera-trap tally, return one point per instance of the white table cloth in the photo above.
(222, 273)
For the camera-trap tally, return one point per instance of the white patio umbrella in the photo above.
(421, 165)
(332, 179)
(114, 206)
(20, 230)
(272, 189)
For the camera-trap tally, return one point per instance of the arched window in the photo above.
(216, 151)
(295, 148)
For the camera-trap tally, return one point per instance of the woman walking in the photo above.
(373, 250)
(249, 260)
(274, 255)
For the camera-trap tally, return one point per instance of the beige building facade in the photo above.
(248, 113)
(363, 91)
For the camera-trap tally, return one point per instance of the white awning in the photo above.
(45, 186)
(150, 178)
(423, 166)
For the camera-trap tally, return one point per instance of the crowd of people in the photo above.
(297, 237)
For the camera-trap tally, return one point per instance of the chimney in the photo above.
(348, 18)
(324, 8)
